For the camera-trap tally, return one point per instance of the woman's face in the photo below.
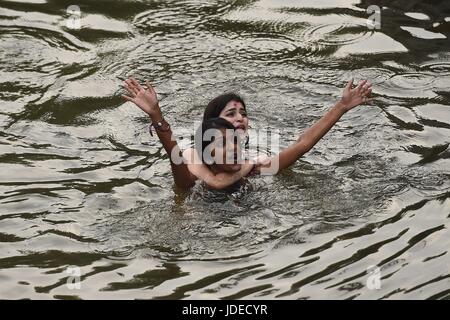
(226, 152)
(235, 113)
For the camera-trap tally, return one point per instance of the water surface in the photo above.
(83, 184)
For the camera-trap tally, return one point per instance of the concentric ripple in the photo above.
(335, 34)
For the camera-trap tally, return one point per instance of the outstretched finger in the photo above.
(127, 98)
(366, 88)
(136, 83)
(149, 86)
(127, 87)
(360, 86)
(367, 85)
(349, 84)
(132, 87)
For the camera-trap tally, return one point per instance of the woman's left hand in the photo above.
(354, 97)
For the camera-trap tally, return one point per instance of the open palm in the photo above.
(356, 96)
(144, 98)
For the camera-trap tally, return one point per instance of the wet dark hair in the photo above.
(216, 105)
(200, 143)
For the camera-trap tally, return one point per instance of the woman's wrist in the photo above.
(249, 166)
(342, 107)
(155, 115)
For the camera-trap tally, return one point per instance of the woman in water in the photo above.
(232, 108)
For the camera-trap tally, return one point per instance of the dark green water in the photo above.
(82, 184)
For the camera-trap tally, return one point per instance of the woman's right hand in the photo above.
(260, 161)
(144, 98)
(353, 97)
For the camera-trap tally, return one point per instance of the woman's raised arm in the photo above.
(350, 99)
(146, 99)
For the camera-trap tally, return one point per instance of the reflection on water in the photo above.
(83, 184)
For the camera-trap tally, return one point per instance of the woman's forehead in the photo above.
(233, 104)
